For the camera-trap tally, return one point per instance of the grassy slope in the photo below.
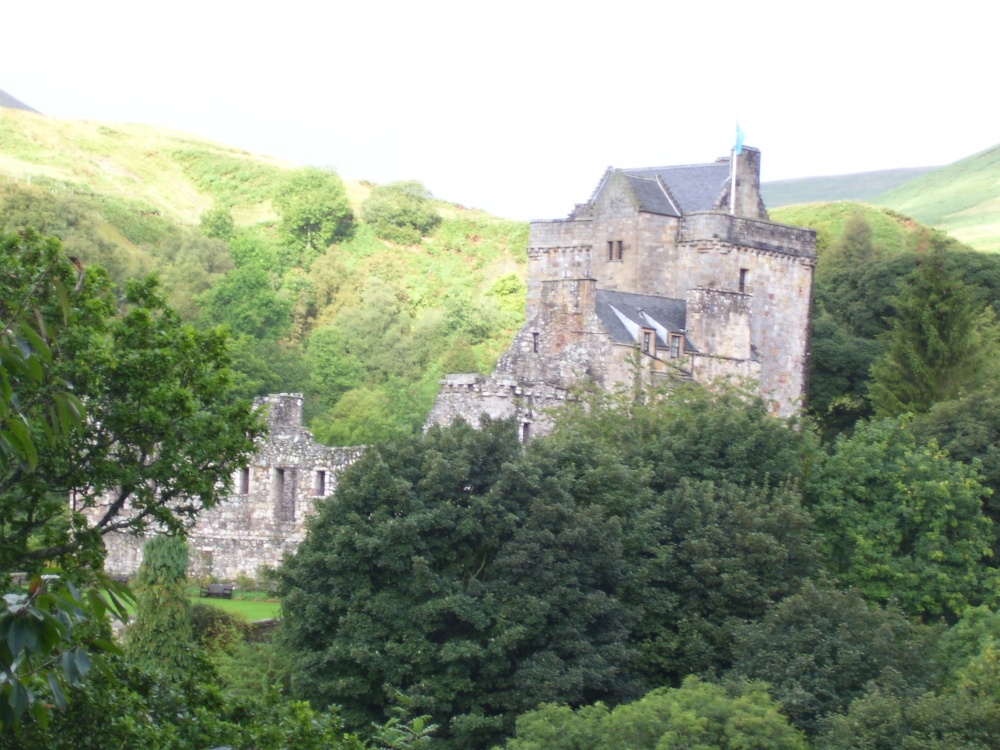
(963, 199)
(891, 232)
(178, 174)
(847, 187)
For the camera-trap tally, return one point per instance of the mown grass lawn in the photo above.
(252, 610)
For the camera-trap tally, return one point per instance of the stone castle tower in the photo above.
(669, 264)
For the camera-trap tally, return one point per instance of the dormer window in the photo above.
(649, 341)
(675, 346)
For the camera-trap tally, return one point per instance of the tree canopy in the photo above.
(400, 212)
(161, 437)
(941, 346)
(314, 212)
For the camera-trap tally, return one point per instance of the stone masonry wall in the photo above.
(264, 518)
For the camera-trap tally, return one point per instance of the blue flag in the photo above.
(738, 148)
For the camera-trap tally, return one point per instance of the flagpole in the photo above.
(733, 171)
(732, 181)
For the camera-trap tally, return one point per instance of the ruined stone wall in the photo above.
(265, 516)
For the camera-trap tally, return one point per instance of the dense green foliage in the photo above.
(904, 522)
(820, 648)
(941, 346)
(400, 212)
(160, 637)
(431, 578)
(694, 715)
(478, 580)
(314, 212)
(161, 424)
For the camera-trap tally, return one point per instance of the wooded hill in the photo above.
(361, 297)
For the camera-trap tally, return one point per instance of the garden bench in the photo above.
(219, 590)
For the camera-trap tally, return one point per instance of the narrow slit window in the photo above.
(244, 482)
(744, 273)
(534, 342)
(284, 494)
(525, 431)
(319, 483)
(611, 249)
(621, 249)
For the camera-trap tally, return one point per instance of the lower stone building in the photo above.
(265, 516)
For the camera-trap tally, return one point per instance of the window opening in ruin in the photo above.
(611, 249)
(284, 495)
(319, 483)
(621, 247)
(244, 483)
(525, 431)
(675, 347)
(534, 342)
(743, 279)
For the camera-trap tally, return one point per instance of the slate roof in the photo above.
(694, 187)
(652, 198)
(8, 101)
(642, 311)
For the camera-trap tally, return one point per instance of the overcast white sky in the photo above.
(518, 107)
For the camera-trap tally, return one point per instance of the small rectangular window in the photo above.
(611, 249)
(244, 483)
(675, 347)
(525, 431)
(743, 279)
(319, 483)
(534, 342)
(621, 248)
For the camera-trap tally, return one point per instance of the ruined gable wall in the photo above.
(256, 528)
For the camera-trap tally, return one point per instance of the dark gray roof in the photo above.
(695, 187)
(640, 309)
(652, 198)
(8, 101)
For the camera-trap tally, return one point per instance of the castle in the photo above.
(665, 272)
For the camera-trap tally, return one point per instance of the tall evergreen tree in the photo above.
(941, 345)
(161, 637)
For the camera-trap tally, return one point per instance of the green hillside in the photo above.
(891, 232)
(862, 186)
(963, 199)
(360, 296)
